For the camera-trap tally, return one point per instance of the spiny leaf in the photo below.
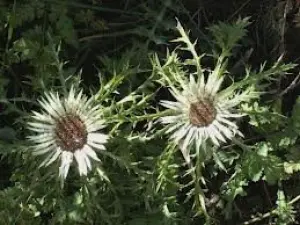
(227, 35)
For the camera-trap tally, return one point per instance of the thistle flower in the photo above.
(66, 129)
(202, 113)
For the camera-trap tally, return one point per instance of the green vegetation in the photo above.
(132, 58)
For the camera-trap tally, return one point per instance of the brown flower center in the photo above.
(202, 113)
(71, 133)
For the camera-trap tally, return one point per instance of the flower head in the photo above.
(66, 129)
(202, 112)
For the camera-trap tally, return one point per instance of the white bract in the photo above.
(67, 129)
(201, 113)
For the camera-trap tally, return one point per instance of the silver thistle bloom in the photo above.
(201, 112)
(66, 129)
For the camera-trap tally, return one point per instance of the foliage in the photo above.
(126, 55)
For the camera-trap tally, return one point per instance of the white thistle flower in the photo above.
(66, 129)
(202, 112)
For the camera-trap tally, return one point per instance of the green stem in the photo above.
(59, 66)
(268, 214)
(61, 78)
(153, 116)
(240, 144)
(200, 197)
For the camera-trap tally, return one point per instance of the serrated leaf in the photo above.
(218, 161)
(263, 117)
(263, 149)
(291, 167)
(285, 138)
(252, 166)
(284, 210)
(258, 164)
(273, 171)
(227, 35)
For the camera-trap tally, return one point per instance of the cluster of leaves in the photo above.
(143, 177)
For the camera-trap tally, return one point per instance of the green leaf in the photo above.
(273, 170)
(284, 138)
(262, 164)
(252, 166)
(227, 35)
(291, 167)
(263, 117)
(233, 188)
(292, 164)
(66, 30)
(284, 211)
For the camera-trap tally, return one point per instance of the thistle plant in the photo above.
(93, 132)
(204, 115)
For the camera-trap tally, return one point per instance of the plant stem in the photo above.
(139, 118)
(268, 214)
(200, 197)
